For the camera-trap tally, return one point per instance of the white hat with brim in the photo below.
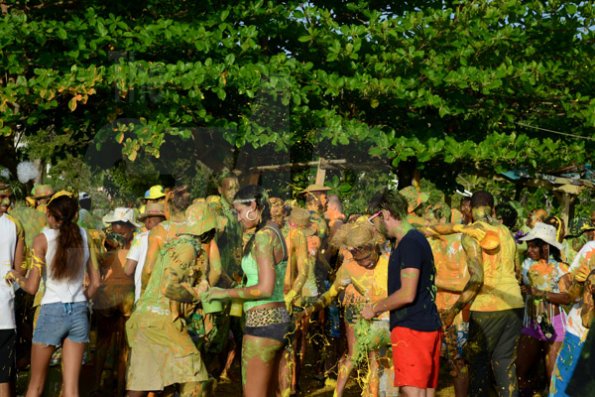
(545, 233)
(121, 214)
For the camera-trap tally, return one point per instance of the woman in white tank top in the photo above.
(61, 255)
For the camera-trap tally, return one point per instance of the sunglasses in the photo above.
(376, 215)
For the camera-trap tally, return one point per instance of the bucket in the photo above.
(212, 306)
(236, 309)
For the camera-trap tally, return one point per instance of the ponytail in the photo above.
(69, 251)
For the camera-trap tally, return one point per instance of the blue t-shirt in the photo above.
(413, 251)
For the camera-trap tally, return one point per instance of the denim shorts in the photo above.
(58, 321)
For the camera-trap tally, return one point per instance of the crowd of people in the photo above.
(175, 292)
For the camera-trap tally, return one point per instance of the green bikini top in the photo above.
(250, 268)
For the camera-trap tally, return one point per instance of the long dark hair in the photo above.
(259, 196)
(69, 252)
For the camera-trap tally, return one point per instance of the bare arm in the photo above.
(300, 246)
(92, 270)
(36, 265)
(475, 267)
(20, 250)
(130, 266)
(155, 242)
(215, 267)
(402, 297)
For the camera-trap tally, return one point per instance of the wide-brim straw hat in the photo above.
(545, 233)
(315, 188)
(121, 214)
(152, 209)
(200, 218)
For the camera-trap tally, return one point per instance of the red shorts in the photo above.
(416, 357)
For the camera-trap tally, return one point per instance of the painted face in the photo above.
(4, 202)
(228, 189)
(247, 215)
(125, 230)
(534, 250)
(365, 256)
(152, 221)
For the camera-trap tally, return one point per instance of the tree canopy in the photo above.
(455, 83)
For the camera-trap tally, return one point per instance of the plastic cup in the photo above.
(213, 306)
(236, 309)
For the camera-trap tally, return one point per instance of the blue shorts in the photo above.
(58, 321)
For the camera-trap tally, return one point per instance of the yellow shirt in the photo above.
(500, 290)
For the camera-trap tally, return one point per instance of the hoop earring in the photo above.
(248, 215)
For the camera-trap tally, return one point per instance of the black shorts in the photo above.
(8, 343)
(279, 332)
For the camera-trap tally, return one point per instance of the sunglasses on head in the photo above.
(375, 215)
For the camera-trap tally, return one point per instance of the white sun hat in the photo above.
(121, 214)
(545, 233)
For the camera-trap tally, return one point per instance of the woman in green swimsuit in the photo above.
(267, 320)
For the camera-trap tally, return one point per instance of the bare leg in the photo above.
(550, 358)
(72, 360)
(373, 381)
(122, 355)
(410, 391)
(258, 364)
(345, 364)
(5, 390)
(461, 380)
(40, 361)
(285, 371)
(231, 355)
(104, 338)
(527, 358)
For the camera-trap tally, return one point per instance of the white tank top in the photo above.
(8, 244)
(65, 291)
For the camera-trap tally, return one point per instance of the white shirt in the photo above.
(574, 322)
(9, 234)
(65, 291)
(138, 252)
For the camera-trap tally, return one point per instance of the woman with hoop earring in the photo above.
(267, 321)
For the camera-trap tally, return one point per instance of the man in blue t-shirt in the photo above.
(416, 332)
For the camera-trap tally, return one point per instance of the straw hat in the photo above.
(199, 220)
(315, 188)
(121, 214)
(545, 233)
(42, 191)
(152, 209)
(154, 193)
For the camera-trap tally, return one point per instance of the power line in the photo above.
(556, 132)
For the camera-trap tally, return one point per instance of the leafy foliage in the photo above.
(451, 83)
